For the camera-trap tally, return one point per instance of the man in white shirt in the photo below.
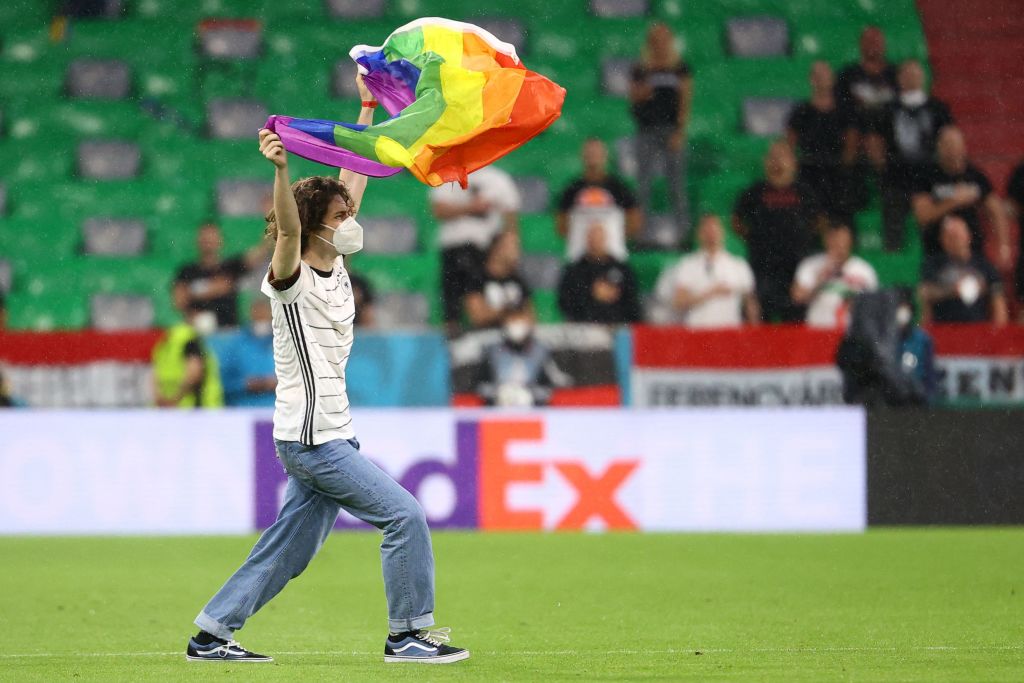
(470, 219)
(827, 282)
(709, 288)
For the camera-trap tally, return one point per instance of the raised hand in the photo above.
(272, 148)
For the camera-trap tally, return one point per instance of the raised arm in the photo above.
(288, 247)
(354, 182)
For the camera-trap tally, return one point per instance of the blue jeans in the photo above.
(321, 480)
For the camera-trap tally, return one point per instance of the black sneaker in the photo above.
(426, 646)
(222, 651)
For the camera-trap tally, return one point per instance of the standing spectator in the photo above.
(185, 371)
(955, 186)
(211, 283)
(518, 371)
(709, 287)
(362, 295)
(959, 285)
(469, 221)
(597, 196)
(911, 128)
(247, 360)
(598, 287)
(1015, 194)
(660, 92)
(815, 129)
(827, 282)
(863, 90)
(780, 218)
(499, 288)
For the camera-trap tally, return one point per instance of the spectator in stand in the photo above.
(362, 293)
(470, 219)
(211, 283)
(598, 287)
(7, 397)
(1015, 194)
(815, 129)
(247, 360)
(185, 373)
(959, 285)
(954, 186)
(518, 371)
(911, 129)
(863, 90)
(661, 92)
(708, 288)
(781, 219)
(499, 288)
(597, 196)
(827, 282)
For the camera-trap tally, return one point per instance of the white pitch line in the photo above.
(562, 653)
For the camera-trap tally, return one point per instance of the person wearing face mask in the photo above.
(313, 226)
(185, 369)
(518, 371)
(911, 126)
(247, 360)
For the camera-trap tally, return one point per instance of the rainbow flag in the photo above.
(458, 97)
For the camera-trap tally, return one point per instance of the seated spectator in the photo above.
(959, 285)
(518, 371)
(469, 220)
(910, 128)
(886, 359)
(815, 129)
(211, 283)
(863, 90)
(1015, 195)
(247, 360)
(499, 288)
(598, 288)
(660, 92)
(185, 373)
(709, 287)
(826, 282)
(780, 218)
(7, 397)
(362, 292)
(954, 186)
(597, 196)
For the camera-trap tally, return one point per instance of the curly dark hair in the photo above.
(312, 195)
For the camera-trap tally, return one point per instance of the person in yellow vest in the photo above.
(185, 371)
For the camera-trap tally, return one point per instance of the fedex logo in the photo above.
(483, 480)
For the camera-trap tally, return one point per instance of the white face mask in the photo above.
(903, 316)
(205, 323)
(913, 98)
(262, 328)
(348, 236)
(517, 331)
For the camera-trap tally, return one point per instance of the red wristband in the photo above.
(372, 104)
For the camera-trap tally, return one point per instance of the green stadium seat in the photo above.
(538, 235)
(57, 311)
(545, 305)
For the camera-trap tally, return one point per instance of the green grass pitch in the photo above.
(889, 605)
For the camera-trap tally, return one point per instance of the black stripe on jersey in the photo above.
(295, 324)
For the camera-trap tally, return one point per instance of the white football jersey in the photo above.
(313, 333)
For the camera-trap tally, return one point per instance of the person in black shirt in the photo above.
(598, 288)
(597, 195)
(1015, 193)
(211, 283)
(958, 285)
(955, 186)
(362, 294)
(815, 129)
(910, 128)
(499, 288)
(660, 93)
(781, 220)
(863, 90)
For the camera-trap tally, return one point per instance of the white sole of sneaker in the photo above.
(190, 658)
(446, 659)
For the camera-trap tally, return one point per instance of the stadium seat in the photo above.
(237, 197)
(759, 36)
(616, 74)
(766, 116)
(506, 29)
(609, 9)
(6, 275)
(100, 78)
(541, 271)
(402, 309)
(234, 119)
(660, 232)
(64, 311)
(113, 236)
(534, 193)
(538, 235)
(545, 305)
(108, 159)
(223, 39)
(115, 312)
(389, 234)
(356, 9)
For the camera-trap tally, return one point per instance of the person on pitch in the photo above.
(313, 227)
